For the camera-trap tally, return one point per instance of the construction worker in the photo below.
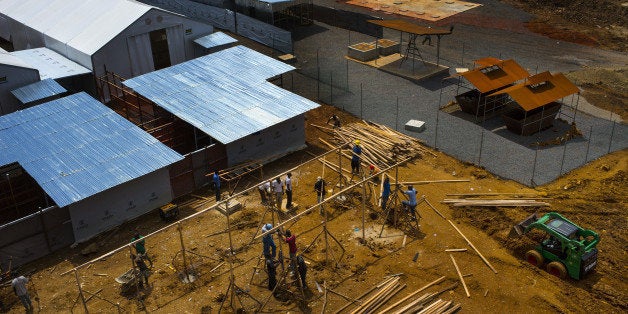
(140, 248)
(289, 190)
(264, 189)
(355, 158)
(19, 287)
(385, 192)
(271, 269)
(410, 204)
(143, 270)
(216, 182)
(319, 187)
(336, 121)
(302, 267)
(291, 239)
(278, 190)
(270, 249)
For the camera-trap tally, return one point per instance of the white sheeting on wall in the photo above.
(176, 44)
(140, 54)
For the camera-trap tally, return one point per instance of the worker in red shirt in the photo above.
(291, 239)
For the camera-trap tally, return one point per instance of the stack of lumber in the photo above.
(381, 146)
(388, 289)
(494, 202)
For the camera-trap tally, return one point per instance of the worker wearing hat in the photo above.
(355, 159)
(270, 249)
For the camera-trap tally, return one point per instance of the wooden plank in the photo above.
(464, 284)
(437, 281)
(474, 248)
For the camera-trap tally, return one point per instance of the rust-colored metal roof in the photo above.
(487, 61)
(540, 90)
(408, 27)
(500, 74)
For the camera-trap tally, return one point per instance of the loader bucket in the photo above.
(520, 228)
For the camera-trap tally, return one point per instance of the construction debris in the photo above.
(464, 284)
(473, 247)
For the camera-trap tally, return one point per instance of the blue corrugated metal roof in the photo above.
(214, 40)
(75, 147)
(49, 63)
(38, 90)
(225, 94)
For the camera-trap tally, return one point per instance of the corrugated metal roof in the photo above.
(38, 90)
(275, 1)
(75, 147)
(214, 40)
(8, 59)
(540, 90)
(494, 76)
(50, 64)
(86, 25)
(225, 94)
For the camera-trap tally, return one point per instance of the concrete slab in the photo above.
(234, 206)
(415, 126)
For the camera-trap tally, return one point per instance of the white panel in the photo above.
(176, 44)
(140, 54)
(119, 204)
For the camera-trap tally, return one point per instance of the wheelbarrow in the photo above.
(129, 281)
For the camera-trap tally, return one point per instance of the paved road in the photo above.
(489, 31)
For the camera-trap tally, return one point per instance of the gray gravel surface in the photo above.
(392, 100)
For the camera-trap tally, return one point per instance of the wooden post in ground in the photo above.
(78, 284)
(185, 264)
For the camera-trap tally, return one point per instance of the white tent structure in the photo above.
(124, 36)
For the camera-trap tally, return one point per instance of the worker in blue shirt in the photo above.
(355, 159)
(270, 249)
(411, 202)
(385, 192)
(216, 179)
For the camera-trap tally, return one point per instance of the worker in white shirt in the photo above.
(264, 189)
(278, 189)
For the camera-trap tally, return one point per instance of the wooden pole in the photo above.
(456, 250)
(464, 284)
(78, 284)
(185, 265)
(363, 212)
(474, 248)
(434, 208)
(434, 181)
(437, 281)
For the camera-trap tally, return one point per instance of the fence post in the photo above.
(536, 154)
(397, 116)
(610, 141)
(586, 156)
(361, 112)
(562, 161)
(481, 144)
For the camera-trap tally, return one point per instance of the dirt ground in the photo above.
(593, 196)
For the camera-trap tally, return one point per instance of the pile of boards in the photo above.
(490, 200)
(373, 300)
(381, 146)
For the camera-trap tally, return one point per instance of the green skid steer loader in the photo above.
(568, 249)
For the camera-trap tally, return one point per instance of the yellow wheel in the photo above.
(557, 269)
(535, 258)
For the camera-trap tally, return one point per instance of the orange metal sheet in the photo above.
(502, 74)
(487, 61)
(408, 27)
(540, 90)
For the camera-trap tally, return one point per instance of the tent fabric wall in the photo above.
(270, 143)
(119, 204)
(34, 236)
(139, 50)
(176, 44)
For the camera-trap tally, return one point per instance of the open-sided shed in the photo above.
(80, 160)
(537, 101)
(125, 36)
(490, 75)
